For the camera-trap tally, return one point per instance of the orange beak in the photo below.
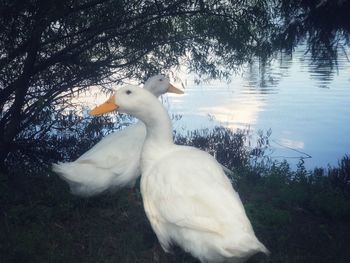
(108, 106)
(173, 89)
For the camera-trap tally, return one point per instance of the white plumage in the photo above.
(187, 197)
(114, 162)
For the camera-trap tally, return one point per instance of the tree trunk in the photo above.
(11, 122)
(3, 155)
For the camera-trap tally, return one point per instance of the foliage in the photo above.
(235, 150)
(324, 25)
(224, 144)
(52, 50)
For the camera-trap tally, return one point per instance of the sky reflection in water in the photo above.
(306, 106)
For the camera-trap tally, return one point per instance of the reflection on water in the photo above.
(306, 106)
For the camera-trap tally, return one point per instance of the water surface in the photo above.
(307, 106)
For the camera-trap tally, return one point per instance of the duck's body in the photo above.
(114, 162)
(194, 206)
(111, 164)
(187, 197)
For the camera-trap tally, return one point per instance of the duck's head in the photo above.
(159, 85)
(129, 99)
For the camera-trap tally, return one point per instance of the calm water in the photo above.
(306, 107)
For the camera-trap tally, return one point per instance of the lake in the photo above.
(306, 106)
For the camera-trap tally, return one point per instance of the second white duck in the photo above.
(114, 162)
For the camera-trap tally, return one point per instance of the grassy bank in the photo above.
(301, 216)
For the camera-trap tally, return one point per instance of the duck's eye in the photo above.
(160, 79)
(128, 92)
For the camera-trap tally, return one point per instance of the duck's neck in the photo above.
(159, 134)
(158, 126)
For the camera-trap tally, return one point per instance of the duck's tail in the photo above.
(82, 179)
(245, 250)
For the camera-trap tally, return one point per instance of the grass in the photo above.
(42, 222)
(301, 216)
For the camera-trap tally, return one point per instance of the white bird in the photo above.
(187, 197)
(114, 162)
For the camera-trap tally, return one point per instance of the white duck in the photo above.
(114, 162)
(187, 197)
